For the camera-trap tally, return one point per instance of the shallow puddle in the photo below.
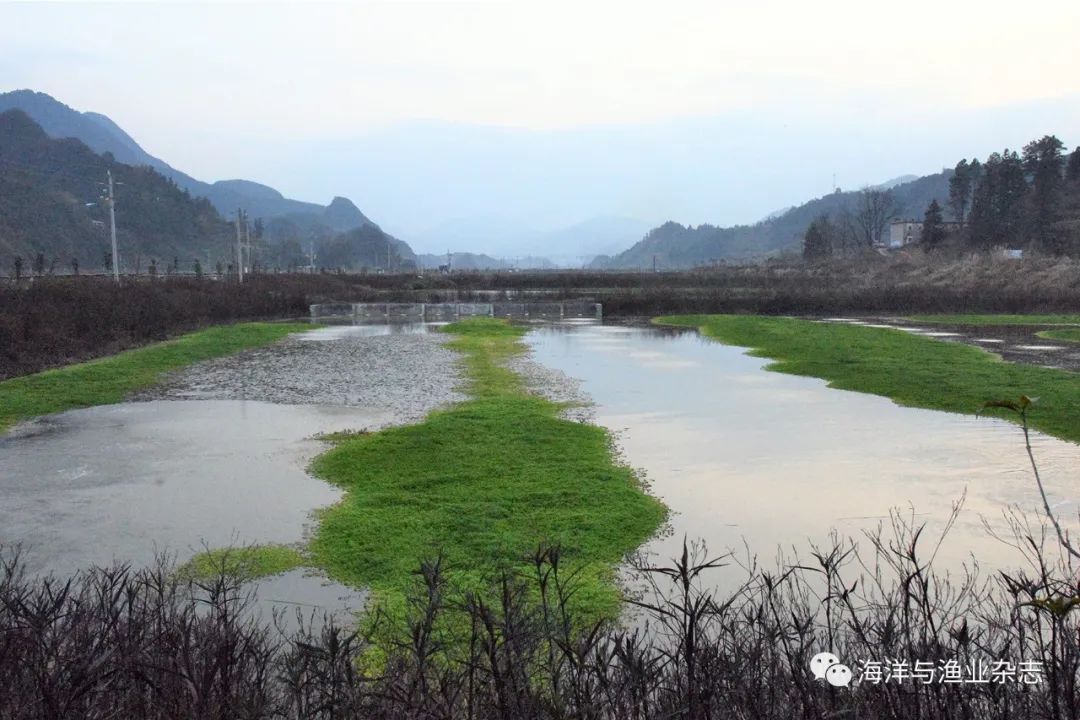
(346, 330)
(299, 597)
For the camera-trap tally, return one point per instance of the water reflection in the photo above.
(739, 453)
(339, 331)
(123, 482)
(295, 598)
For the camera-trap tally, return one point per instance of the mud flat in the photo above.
(404, 371)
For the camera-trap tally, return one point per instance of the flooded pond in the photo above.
(740, 453)
(121, 483)
(216, 456)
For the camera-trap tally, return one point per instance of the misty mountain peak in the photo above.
(342, 214)
(249, 189)
(340, 204)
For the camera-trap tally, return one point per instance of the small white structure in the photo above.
(905, 232)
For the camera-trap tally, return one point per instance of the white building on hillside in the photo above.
(905, 232)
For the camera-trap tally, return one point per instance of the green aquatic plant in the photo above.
(481, 484)
(247, 562)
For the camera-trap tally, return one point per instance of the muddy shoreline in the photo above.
(402, 372)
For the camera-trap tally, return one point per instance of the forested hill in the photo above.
(677, 246)
(51, 213)
(102, 135)
(46, 185)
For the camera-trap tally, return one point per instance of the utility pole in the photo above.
(239, 247)
(112, 228)
(247, 242)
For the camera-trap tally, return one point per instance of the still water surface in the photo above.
(744, 454)
(121, 483)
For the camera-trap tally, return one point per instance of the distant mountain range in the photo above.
(578, 244)
(572, 246)
(296, 233)
(102, 135)
(674, 246)
(461, 261)
(477, 261)
(299, 225)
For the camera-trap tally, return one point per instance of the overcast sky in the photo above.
(426, 112)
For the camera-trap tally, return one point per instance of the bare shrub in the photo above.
(118, 642)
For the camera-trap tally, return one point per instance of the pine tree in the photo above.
(961, 186)
(1044, 162)
(933, 229)
(983, 203)
(1072, 170)
(1012, 192)
(817, 243)
(997, 205)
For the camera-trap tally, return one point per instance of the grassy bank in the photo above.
(911, 370)
(1068, 334)
(484, 483)
(111, 379)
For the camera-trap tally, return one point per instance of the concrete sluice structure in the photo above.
(448, 312)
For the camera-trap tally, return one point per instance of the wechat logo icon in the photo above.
(827, 666)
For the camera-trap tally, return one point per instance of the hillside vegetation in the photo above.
(53, 219)
(45, 209)
(102, 135)
(1026, 200)
(47, 219)
(676, 246)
